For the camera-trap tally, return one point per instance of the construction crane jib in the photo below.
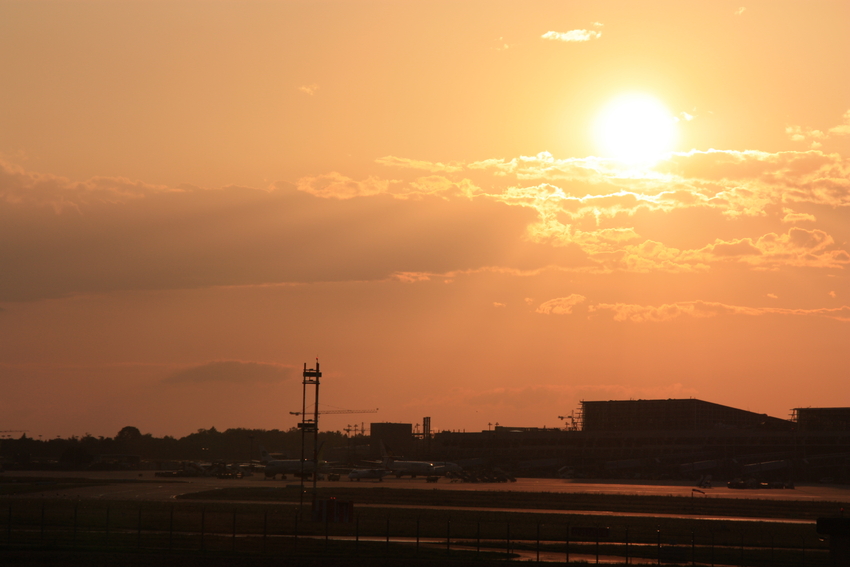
(326, 412)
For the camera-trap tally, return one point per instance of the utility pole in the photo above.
(310, 378)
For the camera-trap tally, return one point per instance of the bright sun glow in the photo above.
(635, 128)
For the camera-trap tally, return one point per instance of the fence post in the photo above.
(712, 549)
(658, 535)
(139, 529)
(509, 538)
(357, 535)
(478, 539)
(742, 550)
(42, 522)
(233, 539)
(567, 546)
(75, 525)
(9, 525)
(171, 528)
(538, 542)
(388, 534)
(693, 549)
(448, 535)
(297, 515)
(327, 526)
(107, 526)
(627, 545)
(265, 528)
(417, 535)
(203, 525)
(597, 546)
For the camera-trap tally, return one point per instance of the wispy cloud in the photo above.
(502, 45)
(334, 185)
(236, 371)
(393, 161)
(21, 187)
(534, 396)
(309, 89)
(561, 305)
(815, 137)
(842, 128)
(572, 35)
(704, 309)
(792, 217)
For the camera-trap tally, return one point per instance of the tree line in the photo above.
(231, 445)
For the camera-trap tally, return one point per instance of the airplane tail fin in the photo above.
(264, 455)
(386, 455)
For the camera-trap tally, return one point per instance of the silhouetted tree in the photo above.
(128, 433)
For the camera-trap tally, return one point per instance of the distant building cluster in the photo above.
(653, 439)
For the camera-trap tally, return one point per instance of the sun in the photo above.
(635, 128)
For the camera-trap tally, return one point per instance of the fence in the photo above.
(281, 529)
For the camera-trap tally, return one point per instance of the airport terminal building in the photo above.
(666, 439)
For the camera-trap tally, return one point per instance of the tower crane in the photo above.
(572, 419)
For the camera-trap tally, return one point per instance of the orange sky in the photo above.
(198, 197)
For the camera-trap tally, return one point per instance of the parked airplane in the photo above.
(283, 467)
(414, 468)
(442, 468)
(357, 474)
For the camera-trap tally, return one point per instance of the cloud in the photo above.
(440, 186)
(815, 137)
(740, 10)
(500, 399)
(704, 309)
(20, 187)
(334, 185)
(561, 305)
(844, 128)
(572, 35)
(309, 89)
(791, 217)
(502, 45)
(798, 248)
(811, 136)
(393, 161)
(520, 215)
(337, 186)
(234, 371)
(60, 238)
